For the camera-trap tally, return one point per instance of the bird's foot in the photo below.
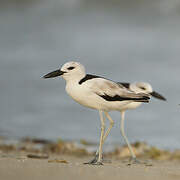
(94, 160)
(98, 163)
(134, 160)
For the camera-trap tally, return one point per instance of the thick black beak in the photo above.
(54, 74)
(158, 96)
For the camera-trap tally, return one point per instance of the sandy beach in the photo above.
(20, 167)
(43, 160)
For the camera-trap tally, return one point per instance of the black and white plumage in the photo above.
(137, 87)
(142, 87)
(98, 93)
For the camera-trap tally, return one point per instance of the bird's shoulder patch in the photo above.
(88, 77)
(126, 85)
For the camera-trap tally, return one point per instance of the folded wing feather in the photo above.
(111, 91)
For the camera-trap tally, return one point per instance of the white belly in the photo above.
(132, 105)
(85, 97)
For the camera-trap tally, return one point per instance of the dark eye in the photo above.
(70, 68)
(142, 88)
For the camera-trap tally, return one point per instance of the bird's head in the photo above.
(69, 71)
(143, 87)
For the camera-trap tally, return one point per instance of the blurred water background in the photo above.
(126, 41)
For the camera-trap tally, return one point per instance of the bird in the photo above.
(137, 87)
(97, 93)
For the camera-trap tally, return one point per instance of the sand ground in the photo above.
(14, 167)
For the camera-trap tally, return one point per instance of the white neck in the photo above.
(75, 77)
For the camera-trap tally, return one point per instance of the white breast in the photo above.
(84, 96)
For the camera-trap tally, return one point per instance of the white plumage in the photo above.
(97, 93)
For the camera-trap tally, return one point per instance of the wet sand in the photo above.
(15, 167)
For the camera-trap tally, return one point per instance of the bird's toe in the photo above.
(137, 161)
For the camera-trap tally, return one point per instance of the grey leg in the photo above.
(110, 126)
(95, 159)
(133, 159)
(124, 136)
(98, 157)
(99, 162)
